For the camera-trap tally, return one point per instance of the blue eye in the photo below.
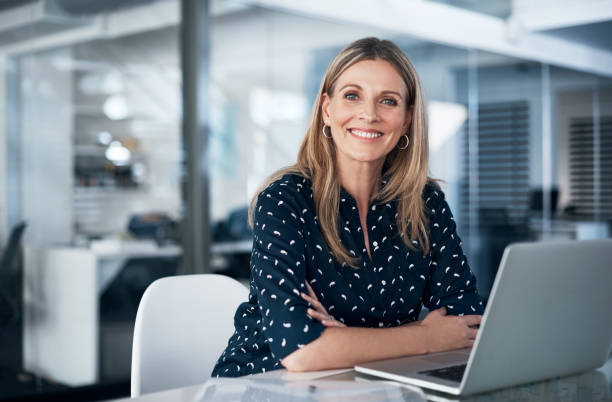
(350, 96)
(390, 102)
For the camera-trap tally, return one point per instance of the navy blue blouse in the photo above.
(386, 291)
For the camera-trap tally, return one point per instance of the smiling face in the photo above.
(367, 112)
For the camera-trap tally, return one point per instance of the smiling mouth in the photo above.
(365, 134)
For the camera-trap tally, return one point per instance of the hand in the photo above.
(319, 312)
(449, 332)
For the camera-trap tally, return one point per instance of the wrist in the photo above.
(425, 337)
(418, 334)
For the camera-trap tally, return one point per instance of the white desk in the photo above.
(61, 293)
(595, 385)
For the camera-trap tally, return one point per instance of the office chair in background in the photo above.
(12, 379)
(182, 326)
(10, 309)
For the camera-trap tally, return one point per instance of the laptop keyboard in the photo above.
(452, 373)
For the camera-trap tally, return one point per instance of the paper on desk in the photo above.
(272, 390)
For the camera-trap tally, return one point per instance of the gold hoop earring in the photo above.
(325, 135)
(407, 142)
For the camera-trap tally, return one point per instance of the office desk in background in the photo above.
(62, 289)
(594, 385)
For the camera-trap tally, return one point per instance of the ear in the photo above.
(325, 100)
(408, 120)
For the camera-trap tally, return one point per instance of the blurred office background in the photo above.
(133, 134)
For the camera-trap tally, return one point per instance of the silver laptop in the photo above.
(548, 315)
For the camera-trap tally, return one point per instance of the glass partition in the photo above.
(92, 111)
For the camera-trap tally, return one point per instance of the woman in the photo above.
(354, 238)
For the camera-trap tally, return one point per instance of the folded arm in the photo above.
(345, 347)
(339, 346)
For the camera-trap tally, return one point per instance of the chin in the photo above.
(366, 157)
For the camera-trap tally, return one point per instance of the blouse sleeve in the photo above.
(451, 282)
(278, 271)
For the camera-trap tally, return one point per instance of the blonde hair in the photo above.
(404, 170)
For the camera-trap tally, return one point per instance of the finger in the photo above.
(441, 310)
(340, 323)
(472, 333)
(306, 297)
(333, 323)
(317, 315)
(317, 305)
(472, 320)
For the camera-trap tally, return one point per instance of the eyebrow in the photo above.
(383, 92)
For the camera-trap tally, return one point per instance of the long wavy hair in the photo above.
(405, 170)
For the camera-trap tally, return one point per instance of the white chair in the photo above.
(182, 326)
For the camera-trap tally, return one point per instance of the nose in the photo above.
(368, 112)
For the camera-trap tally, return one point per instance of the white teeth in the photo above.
(363, 134)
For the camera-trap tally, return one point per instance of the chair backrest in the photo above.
(10, 251)
(182, 326)
(10, 308)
